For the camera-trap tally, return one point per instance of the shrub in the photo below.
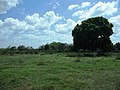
(36, 52)
(118, 57)
(11, 53)
(42, 53)
(40, 64)
(100, 52)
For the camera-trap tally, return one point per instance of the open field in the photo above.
(58, 72)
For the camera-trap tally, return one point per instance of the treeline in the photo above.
(11, 50)
(53, 47)
(56, 47)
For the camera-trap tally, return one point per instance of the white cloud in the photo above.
(70, 7)
(85, 4)
(34, 30)
(51, 18)
(99, 9)
(65, 28)
(76, 6)
(45, 22)
(115, 20)
(79, 13)
(6, 5)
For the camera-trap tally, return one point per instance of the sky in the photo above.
(37, 22)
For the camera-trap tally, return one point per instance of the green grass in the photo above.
(58, 72)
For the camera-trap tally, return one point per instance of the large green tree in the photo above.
(92, 34)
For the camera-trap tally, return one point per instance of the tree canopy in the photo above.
(92, 34)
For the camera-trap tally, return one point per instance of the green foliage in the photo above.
(93, 33)
(118, 57)
(56, 47)
(46, 47)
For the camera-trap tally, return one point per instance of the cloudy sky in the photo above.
(37, 22)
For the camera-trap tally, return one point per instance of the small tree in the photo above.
(13, 48)
(46, 47)
(21, 48)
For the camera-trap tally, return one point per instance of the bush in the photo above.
(118, 57)
(5, 52)
(11, 53)
(40, 64)
(100, 52)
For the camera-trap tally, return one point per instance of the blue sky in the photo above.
(37, 22)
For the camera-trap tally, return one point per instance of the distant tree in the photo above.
(29, 48)
(54, 46)
(117, 46)
(21, 48)
(61, 46)
(42, 47)
(57, 46)
(92, 34)
(13, 48)
(46, 47)
(68, 47)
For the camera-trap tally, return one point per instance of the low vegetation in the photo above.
(59, 71)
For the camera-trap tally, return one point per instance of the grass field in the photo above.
(58, 72)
